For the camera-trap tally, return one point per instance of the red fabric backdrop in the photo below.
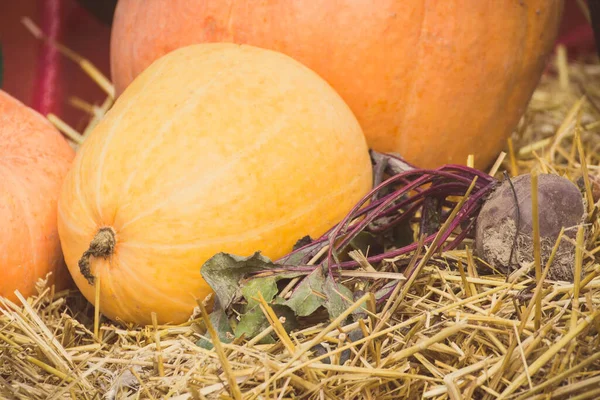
(576, 33)
(34, 73)
(39, 77)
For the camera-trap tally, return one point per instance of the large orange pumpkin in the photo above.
(214, 147)
(432, 80)
(34, 159)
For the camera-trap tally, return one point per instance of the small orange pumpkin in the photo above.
(34, 159)
(214, 147)
(432, 80)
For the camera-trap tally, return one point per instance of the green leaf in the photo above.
(339, 297)
(304, 301)
(267, 286)
(226, 274)
(252, 323)
(218, 318)
(223, 272)
(253, 320)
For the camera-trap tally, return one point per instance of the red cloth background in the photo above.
(24, 56)
(575, 32)
(27, 60)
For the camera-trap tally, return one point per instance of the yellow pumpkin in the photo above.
(213, 148)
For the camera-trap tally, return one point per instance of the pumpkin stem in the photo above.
(102, 245)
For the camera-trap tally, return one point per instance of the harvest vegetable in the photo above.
(434, 81)
(34, 159)
(214, 147)
(447, 208)
(560, 205)
(430, 201)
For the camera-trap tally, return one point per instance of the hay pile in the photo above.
(446, 333)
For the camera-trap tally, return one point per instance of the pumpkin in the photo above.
(213, 148)
(433, 81)
(34, 160)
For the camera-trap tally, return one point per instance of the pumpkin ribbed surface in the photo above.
(432, 80)
(214, 147)
(34, 159)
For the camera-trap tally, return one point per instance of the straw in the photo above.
(449, 329)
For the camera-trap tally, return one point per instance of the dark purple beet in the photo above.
(560, 204)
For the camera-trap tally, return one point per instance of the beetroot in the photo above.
(560, 205)
(443, 207)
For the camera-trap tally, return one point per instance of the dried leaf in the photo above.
(306, 299)
(220, 321)
(302, 255)
(251, 323)
(267, 286)
(254, 322)
(339, 297)
(303, 241)
(223, 272)
(126, 380)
